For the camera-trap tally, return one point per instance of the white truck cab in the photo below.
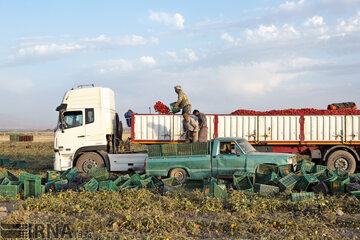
(87, 130)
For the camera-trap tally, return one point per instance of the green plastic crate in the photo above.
(184, 149)
(107, 186)
(172, 181)
(356, 194)
(305, 165)
(135, 179)
(341, 172)
(9, 175)
(32, 188)
(70, 174)
(120, 180)
(9, 190)
(174, 109)
(59, 185)
(148, 184)
(14, 138)
(212, 189)
(159, 185)
(243, 174)
(306, 181)
(29, 176)
(288, 182)
(100, 174)
(285, 169)
(266, 190)
(19, 164)
(200, 148)
(322, 175)
(43, 188)
(243, 182)
(5, 181)
(91, 185)
(337, 185)
(319, 168)
(50, 186)
(52, 176)
(154, 150)
(5, 162)
(266, 168)
(297, 197)
(356, 175)
(266, 178)
(169, 149)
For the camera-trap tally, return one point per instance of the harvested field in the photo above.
(130, 214)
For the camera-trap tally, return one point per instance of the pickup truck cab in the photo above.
(225, 156)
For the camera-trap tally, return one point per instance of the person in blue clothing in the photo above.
(127, 116)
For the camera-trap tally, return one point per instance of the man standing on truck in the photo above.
(191, 129)
(183, 102)
(202, 125)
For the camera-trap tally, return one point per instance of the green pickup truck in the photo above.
(221, 158)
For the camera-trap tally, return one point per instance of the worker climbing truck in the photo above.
(89, 130)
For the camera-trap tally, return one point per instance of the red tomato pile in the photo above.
(302, 111)
(161, 108)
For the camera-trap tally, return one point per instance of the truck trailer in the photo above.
(89, 131)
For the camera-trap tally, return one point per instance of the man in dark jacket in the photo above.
(203, 132)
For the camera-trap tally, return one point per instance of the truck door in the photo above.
(73, 135)
(229, 158)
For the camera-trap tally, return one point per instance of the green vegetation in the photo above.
(183, 213)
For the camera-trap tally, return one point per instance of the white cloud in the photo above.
(100, 38)
(148, 60)
(264, 32)
(315, 21)
(47, 49)
(176, 20)
(227, 37)
(190, 54)
(173, 55)
(115, 66)
(352, 25)
(291, 5)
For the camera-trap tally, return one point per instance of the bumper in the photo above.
(61, 163)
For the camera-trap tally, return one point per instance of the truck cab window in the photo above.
(89, 115)
(227, 148)
(72, 119)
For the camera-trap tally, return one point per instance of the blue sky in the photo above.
(227, 55)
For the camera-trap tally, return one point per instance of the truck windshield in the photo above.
(72, 119)
(246, 146)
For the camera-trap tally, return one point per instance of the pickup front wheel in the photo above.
(179, 173)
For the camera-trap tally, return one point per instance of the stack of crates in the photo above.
(154, 150)
(184, 149)
(52, 176)
(169, 149)
(305, 165)
(200, 148)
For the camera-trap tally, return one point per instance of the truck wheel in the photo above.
(179, 173)
(342, 159)
(89, 160)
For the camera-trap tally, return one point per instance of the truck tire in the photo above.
(89, 160)
(179, 173)
(341, 159)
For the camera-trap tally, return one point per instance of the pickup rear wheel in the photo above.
(179, 173)
(89, 160)
(342, 159)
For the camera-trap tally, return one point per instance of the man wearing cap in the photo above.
(203, 132)
(183, 102)
(191, 129)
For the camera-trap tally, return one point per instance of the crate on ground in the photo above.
(284, 169)
(200, 148)
(5, 181)
(266, 190)
(43, 189)
(159, 185)
(288, 182)
(148, 184)
(32, 188)
(169, 149)
(19, 164)
(120, 180)
(306, 181)
(321, 187)
(212, 189)
(91, 185)
(305, 165)
(60, 185)
(154, 150)
(297, 197)
(322, 175)
(70, 174)
(9, 175)
(5, 162)
(243, 182)
(337, 185)
(266, 168)
(100, 174)
(50, 186)
(52, 176)
(107, 185)
(172, 181)
(319, 168)
(9, 190)
(184, 149)
(29, 176)
(267, 178)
